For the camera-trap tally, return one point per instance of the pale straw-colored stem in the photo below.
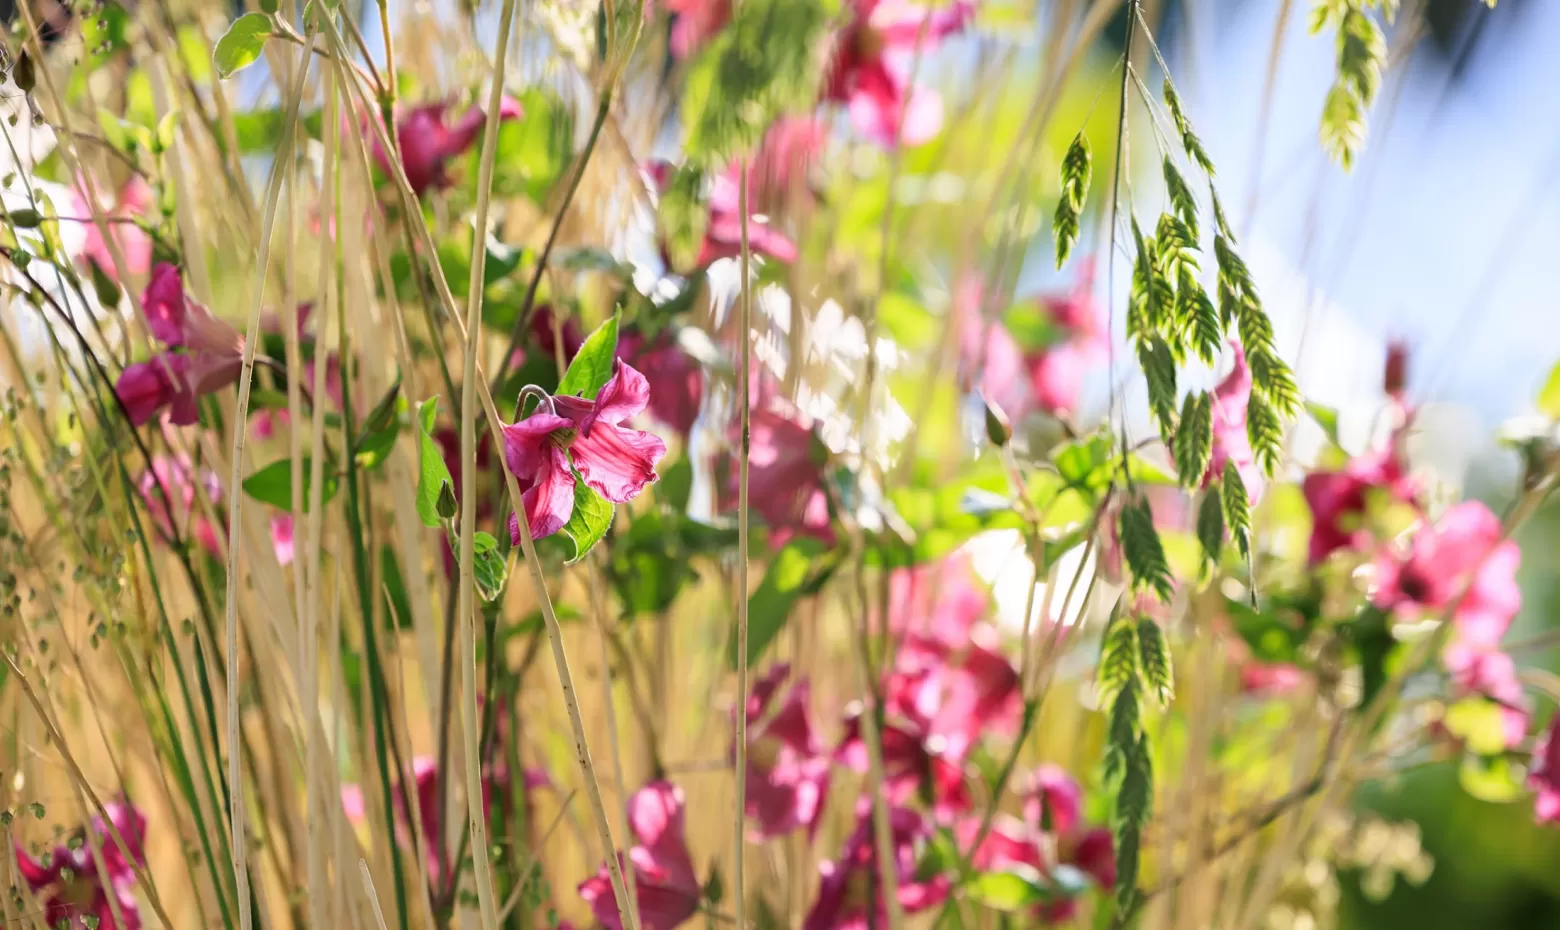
(280, 166)
(527, 543)
(745, 380)
(466, 608)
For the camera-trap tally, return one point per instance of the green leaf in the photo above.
(432, 472)
(24, 218)
(1491, 779)
(769, 608)
(1549, 397)
(1158, 673)
(1326, 418)
(676, 484)
(1015, 889)
(590, 520)
(106, 288)
(1479, 723)
(273, 485)
(489, 567)
(400, 615)
(241, 45)
(374, 448)
(593, 364)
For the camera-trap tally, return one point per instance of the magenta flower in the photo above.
(970, 688)
(785, 474)
(68, 884)
(1491, 674)
(787, 771)
(1466, 549)
(695, 23)
(135, 246)
(169, 492)
(911, 768)
(871, 70)
(943, 599)
(723, 230)
(848, 886)
(1054, 801)
(1044, 379)
(1261, 679)
(204, 354)
(1338, 499)
(676, 380)
(428, 143)
(547, 448)
(1230, 440)
(1544, 775)
(666, 884)
(425, 782)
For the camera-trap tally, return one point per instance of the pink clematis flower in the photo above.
(943, 599)
(1264, 679)
(785, 474)
(1465, 549)
(68, 884)
(1054, 801)
(848, 885)
(1491, 674)
(676, 380)
(971, 688)
(1044, 379)
(135, 246)
(723, 231)
(172, 480)
(874, 57)
(1338, 499)
(788, 773)
(546, 449)
(666, 884)
(695, 23)
(428, 143)
(210, 356)
(1230, 441)
(425, 786)
(1544, 775)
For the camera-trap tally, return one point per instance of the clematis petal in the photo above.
(145, 388)
(527, 444)
(617, 462)
(163, 303)
(550, 501)
(625, 394)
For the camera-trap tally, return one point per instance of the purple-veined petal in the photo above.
(616, 461)
(550, 501)
(527, 444)
(625, 394)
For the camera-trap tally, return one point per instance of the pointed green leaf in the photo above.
(273, 485)
(593, 364)
(590, 520)
(432, 472)
(241, 45)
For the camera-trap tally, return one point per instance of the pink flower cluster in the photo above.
(70, 884)
(1043, 379)
(201, 354)
(169, 491)
(1461, 565)
(428, 142)
(950, 687)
